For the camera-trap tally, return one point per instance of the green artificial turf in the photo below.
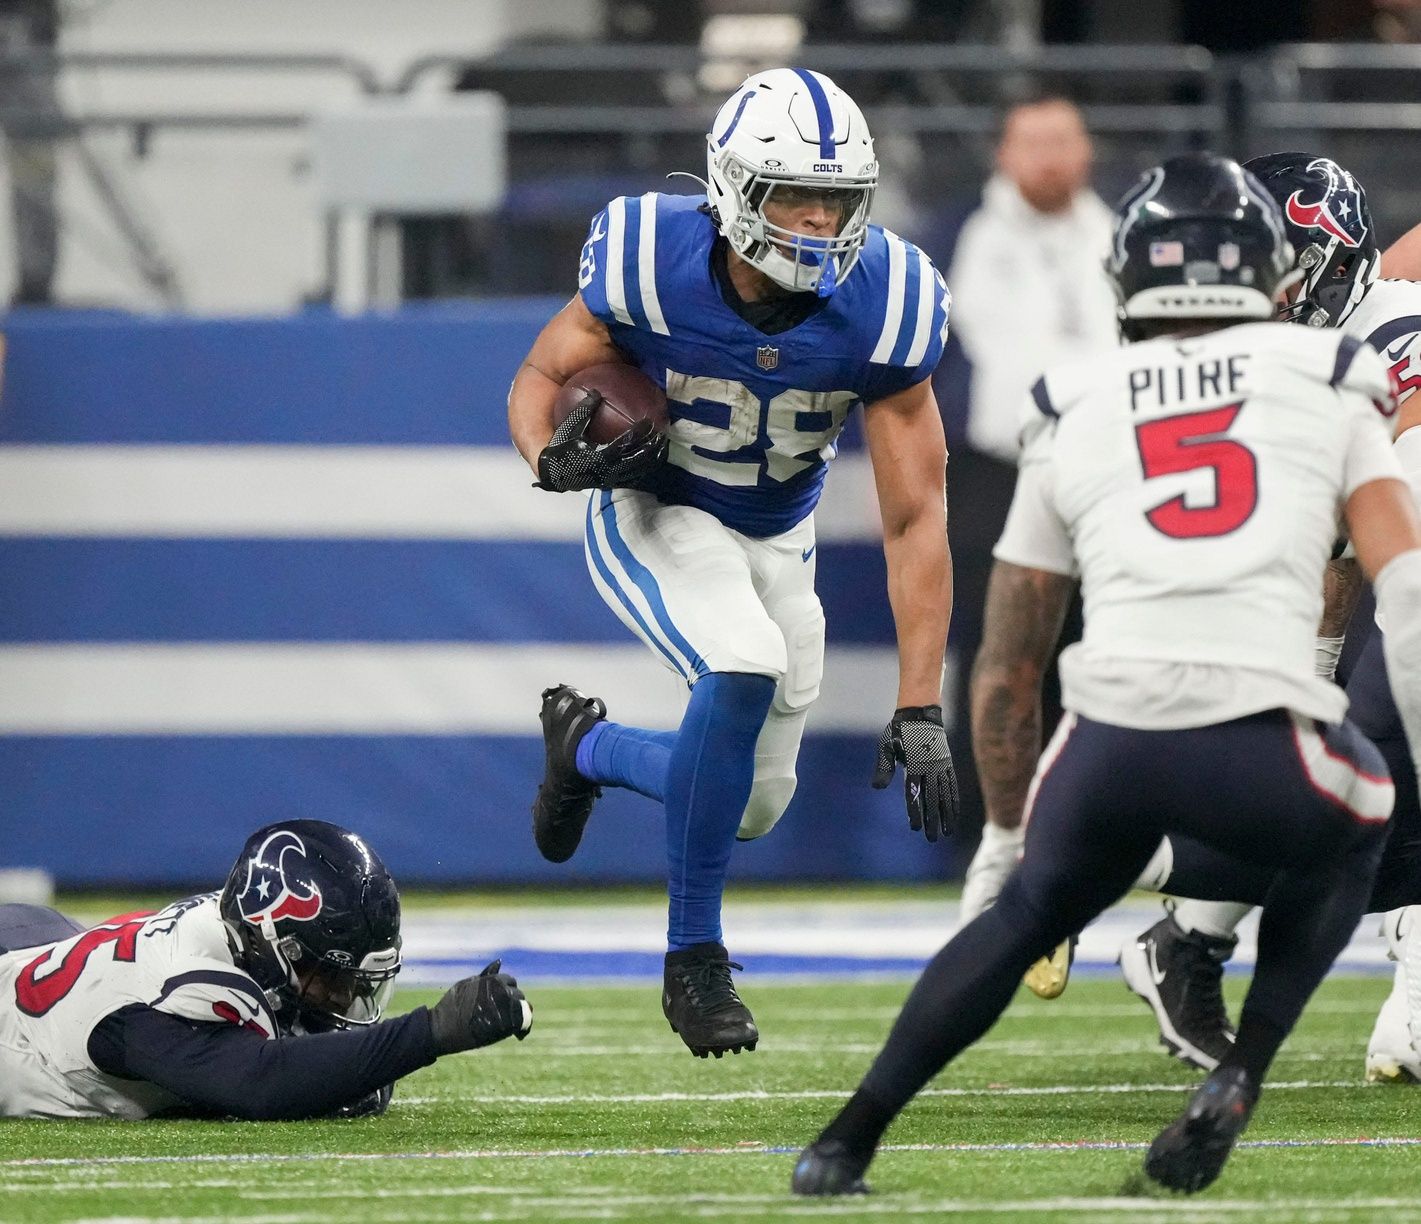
(600, 1115)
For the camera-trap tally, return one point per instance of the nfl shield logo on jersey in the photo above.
(767, 357)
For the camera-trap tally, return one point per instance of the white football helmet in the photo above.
(786, 133)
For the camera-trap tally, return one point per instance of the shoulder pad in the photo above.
(908, 301)
(1036, 419)
(1358, 367)
(212, 992)
(617, 274)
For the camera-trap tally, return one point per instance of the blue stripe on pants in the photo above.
(645, 581)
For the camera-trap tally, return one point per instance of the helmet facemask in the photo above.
(801, 263)
(336, 994)
(1331, 287)
(324, 991)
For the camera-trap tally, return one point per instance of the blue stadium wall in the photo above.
(259, 569)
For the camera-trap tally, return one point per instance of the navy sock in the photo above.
(712, 768)
(615, 755)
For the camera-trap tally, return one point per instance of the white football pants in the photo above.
(706, 599)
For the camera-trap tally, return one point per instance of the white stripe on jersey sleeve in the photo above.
(616, 241)
(646, 266)
(893, 316)
(927, 284)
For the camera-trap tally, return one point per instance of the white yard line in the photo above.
(751, 1149)
(596, 1206)
(831, 1094)
(1340, 1048)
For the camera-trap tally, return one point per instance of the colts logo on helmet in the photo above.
(272, 889)
(1320, 215)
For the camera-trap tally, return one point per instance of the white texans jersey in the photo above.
(52, 997)
(1389, 319)
(1195, 486)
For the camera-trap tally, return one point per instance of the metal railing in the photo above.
(1143, 96)
(1274, 96)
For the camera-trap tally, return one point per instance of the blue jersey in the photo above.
(754, 417)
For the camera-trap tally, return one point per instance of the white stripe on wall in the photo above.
(646, 266)
(324, 492)
(616, 238)
(373, 689)
(897, 291)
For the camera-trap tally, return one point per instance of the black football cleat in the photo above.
(565, 797)
(1180, 975)
(699, 1001)
(1190, 1152)
(827, 1167)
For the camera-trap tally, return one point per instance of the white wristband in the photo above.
(1326, 652)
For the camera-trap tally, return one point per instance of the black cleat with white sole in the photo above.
(699, 1000)
(1191, 1151)
(827, 1167)
(1180, 975)
(565, 797)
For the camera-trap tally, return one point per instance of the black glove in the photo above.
(570, 462)
(480, 1011)
(915, 739)
(370, 1106)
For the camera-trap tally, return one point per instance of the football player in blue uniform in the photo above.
(768, 309)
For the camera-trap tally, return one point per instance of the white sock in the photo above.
(997, 840)
(1216, 918)
(994, 861)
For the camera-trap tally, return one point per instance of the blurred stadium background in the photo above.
(264, 548)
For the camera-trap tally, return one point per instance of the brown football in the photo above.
(628, 396)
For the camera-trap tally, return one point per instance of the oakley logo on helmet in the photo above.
(272, 889)
(1317, 216)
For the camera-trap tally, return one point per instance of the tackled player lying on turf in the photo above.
(262, 1001)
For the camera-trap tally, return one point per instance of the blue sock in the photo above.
(611, 754)
(708, 784)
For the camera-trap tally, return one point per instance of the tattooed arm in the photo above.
(1342, 583)
(1025, 610)
(1341, 587)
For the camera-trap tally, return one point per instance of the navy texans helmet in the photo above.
(1330, 227)
(316, 921)
(1197, 238)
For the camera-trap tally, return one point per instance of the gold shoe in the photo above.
(1047, 978)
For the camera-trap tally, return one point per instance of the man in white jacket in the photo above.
(1028, 280)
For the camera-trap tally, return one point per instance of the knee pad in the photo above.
(804, 661)
(769, 797)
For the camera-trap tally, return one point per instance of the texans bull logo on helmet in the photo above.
(1341, 193)
(273, 889)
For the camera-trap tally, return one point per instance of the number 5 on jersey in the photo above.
(1192, 442)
